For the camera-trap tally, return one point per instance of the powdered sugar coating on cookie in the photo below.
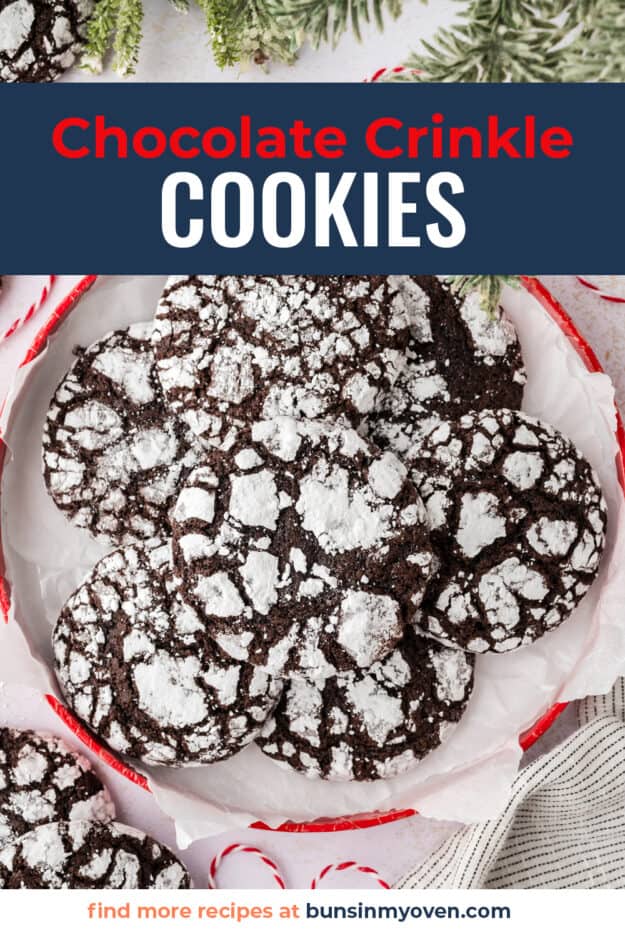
(302, 548)
(372, 723)
(39, 41)
(137, 666)
(518, 521)
(236, 349)
(460, 358)
(113, 456)
(84, 855)
(43, 780)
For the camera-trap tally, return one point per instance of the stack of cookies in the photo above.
(322, 501)
(57, 826)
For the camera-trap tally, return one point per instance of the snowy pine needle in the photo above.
(489, 286)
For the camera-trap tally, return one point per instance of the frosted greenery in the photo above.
(490, 40)
(525, 40)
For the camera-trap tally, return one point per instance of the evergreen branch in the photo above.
(526, 40)
(327, 20)
(243, 30)
(117, 24)
(128, 36)
(494, 41)
(489, 286)
(222, 22)
(99, 34)
(597, 54)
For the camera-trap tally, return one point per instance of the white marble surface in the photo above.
(392, 848)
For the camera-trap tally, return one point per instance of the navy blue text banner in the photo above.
(314, 178)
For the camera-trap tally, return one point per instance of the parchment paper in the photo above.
(468, 777)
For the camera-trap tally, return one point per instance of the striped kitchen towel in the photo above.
(563, 826)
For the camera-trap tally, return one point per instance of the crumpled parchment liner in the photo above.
(468, 778)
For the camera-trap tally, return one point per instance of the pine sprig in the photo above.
(489, 286)
(245, 30)
(327, 20)
(116, 23)
(598, 51)
(128, 36)
(493, 41)
(525, 41)
(239, 30)
(99, 34)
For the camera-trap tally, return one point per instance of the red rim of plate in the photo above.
(321, 825)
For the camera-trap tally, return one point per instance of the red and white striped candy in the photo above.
(30, 312)
(611, 289)
(345, 866)
(383, 73)
(243, 848)
(348, 865)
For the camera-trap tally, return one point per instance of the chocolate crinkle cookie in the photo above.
(518, 521)
(138, 667)
(235, 349)
(84, 855)
(113, 455)
(303, 548)
(460, 358)
(41, 39)
(373, 723)
(43, 780)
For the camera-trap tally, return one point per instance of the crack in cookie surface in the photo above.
(233, 349)
(303, 548)
(113, 456)
(43, 780)
(459, 358)
(372, 723)
(138, 667)
(41, 40)
(518, 521)
(84, 855)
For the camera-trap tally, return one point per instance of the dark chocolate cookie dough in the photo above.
(372, 723)
(84, 855)
(235, 349)
(113, 455)
(518, 521)
(40, 39)
(139, 669)
(43, 780)
(303, 548)
(460, 358)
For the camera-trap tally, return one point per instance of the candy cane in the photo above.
(349, 865)
(277, 874)
(32, 309)
(603, 294)
(243, 848)
(383, 73)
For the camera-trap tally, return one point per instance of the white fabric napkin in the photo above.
(563, 826)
